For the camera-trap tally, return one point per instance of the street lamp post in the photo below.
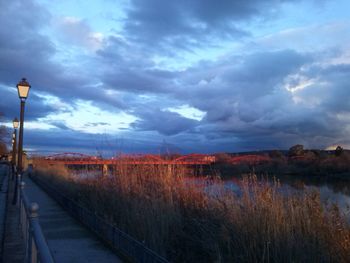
(13, 161)
(14, 137)
(23, 91)
(14, 146)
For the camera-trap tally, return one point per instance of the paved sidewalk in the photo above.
(13, 243)
(68, 240)
(3, 195)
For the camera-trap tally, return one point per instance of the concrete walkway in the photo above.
(13, 243)
(3, 195)
(67, 239)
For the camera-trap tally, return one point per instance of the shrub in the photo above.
(296, 150)
(339, 150)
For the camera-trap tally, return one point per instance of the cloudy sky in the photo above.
(185, 75)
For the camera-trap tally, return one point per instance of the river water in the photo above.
(331, 191)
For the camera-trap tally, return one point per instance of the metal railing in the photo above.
(124, 244)
(36, 247)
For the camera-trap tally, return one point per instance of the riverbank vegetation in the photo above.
(329, 165)
(203, 221)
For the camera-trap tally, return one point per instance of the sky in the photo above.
(183, 76)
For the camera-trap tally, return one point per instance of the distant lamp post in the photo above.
(15, 123)
(14, 141)
(23, 88)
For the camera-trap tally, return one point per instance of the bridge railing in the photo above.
(36, 247)
(124, 244)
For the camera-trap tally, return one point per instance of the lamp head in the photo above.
(23, 89)
(15, 123)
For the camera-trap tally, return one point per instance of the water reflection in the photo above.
(328, 195)
(331, 192)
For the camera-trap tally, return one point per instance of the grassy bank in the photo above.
(321, 165)
(185, 222)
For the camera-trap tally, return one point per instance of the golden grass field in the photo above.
(188, 222)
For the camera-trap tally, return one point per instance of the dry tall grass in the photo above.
(187, 221)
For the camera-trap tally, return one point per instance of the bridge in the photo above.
(70, 158)
(250, 159)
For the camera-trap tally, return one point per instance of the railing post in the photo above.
(21, 186)
(24, 222)
(22, 212)
(38, 248)
(14, 171)
(16, 192)
(32, 250)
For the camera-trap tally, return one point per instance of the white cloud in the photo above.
(188, 112)
(75, 31)
(91, 119)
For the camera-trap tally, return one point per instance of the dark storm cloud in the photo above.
(26, 52)
(187, 22)
(10, 105)
(39, 141)
(22, 49)
(59, 125)
(259, 73)
(246, 101)
(59, 140)
(138, 81)
(244, 97)
(164, 122)
(336, 90)
(224, 89)
(130, 69)
(330, 91)
(116, 52)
